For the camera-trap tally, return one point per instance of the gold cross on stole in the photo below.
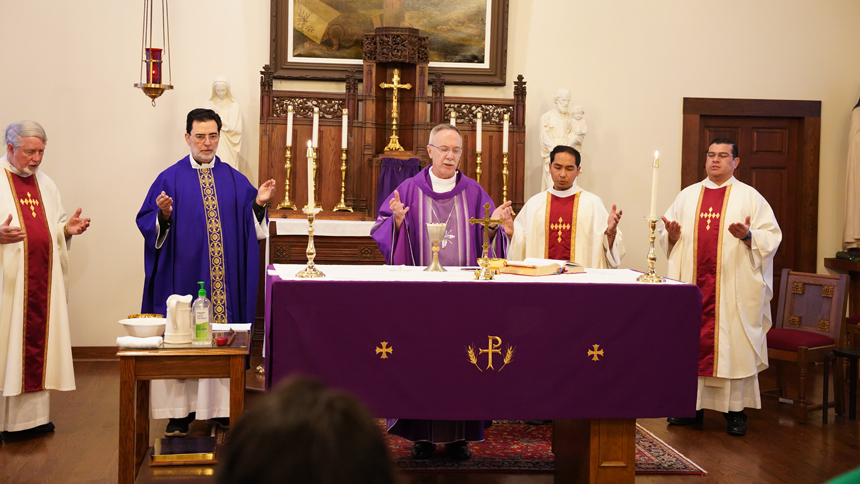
(560, 226)
(486, 221)
(393, 143)
(710, 215)
(31, 202)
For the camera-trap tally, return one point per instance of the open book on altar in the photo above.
(541, 267)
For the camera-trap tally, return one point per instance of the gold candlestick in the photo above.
(342, 204)
(287, 204)
(311, 271)
(651, 275)
(505, 180)
(478, 170)
(316, 182)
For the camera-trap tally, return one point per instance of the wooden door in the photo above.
(778, 146)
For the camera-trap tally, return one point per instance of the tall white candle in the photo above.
(343, 133)
(653, 213)
(310, 175)
(505, 135)
(453, 118)
(478, 135)
(290, 126)
(315, 136)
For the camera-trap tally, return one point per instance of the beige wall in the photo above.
(71, 66)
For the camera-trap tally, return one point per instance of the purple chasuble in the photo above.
(186, 256)
(462, 246)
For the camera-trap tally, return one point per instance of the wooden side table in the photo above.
(138, 367)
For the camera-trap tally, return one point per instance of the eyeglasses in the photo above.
(200, 138)
(445, 150)
(723, 156)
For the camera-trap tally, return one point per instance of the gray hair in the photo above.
(443, 127)
(23, 129)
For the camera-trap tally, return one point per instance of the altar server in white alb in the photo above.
(567, 222)
(35, 234)
(721, 235)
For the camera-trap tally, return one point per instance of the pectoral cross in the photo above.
(486, 221)
(31, 202)
(709, 216)
(393, 143)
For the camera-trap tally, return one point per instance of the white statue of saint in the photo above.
(222, 102)
(559, 127)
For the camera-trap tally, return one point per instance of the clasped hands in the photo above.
(738, 230)
(502, 212)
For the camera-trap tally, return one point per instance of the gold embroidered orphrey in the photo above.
(216, 246)
(595, 353)
(494, 345)
(30, 202)
(385, 350)
(709, 216)
(560, 226)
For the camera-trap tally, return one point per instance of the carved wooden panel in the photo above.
(794, 321)
(291, 249)
(468, 113)
(823, 325)
(769, 140)
(304, 107)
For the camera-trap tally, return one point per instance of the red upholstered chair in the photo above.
(808, 326)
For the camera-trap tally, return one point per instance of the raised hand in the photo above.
(11, 235)
(612, 222)
(398, 209)
(265, 192)
(740, 230)
(77, 225)
(165, 203)
(503, 212)
(673, 228)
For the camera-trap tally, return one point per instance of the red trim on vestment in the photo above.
(709, 218)
(37, 279)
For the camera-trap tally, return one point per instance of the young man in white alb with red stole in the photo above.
(721, 235)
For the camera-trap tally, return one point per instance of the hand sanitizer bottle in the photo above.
(201, 312)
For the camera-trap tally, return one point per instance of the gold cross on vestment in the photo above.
(31, 202)
(486, 221)
(393, 143)
(384, 350)
(559, 226)
(709, 216)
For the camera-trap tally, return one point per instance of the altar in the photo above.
(591, 351)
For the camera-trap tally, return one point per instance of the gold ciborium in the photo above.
(436, 232)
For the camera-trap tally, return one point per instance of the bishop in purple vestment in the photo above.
(439, 193)
(201, 221)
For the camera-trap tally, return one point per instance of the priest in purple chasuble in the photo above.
(439, 193)
(201, 221)
(721, 235)
(567, 222)
(35, 235)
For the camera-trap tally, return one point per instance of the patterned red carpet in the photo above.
(512, 446)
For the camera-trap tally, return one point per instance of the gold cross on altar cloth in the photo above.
(486, 221)
(393, 143)
(31, 202)
(595, 353)
(709, 216)
(384, 350)
(559, 226)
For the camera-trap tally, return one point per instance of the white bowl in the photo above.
(144, 327)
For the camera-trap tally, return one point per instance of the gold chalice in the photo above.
(436, 232)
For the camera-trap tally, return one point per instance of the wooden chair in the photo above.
(808, 326)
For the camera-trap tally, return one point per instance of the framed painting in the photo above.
(321, 39)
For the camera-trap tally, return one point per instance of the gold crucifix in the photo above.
(486, 221)
(393, 143)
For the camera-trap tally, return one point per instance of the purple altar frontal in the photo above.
(412, 344)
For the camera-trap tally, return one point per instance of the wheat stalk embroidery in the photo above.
(509, 355)
(472, 358)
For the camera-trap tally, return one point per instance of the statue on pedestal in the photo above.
(222, 102)
(560, 126)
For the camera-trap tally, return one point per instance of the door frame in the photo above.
(809, 142)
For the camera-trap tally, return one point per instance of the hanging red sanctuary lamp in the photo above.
(153, 57)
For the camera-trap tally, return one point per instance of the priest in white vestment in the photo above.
(35, 234)
(567, 222)
(721, 235)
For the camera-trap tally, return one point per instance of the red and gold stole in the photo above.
(707, 249)
(560, 226)
(37, 278)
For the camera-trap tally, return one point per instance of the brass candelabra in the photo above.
(287, 204)
(651, 275)
(310, 271)
(342, 204)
